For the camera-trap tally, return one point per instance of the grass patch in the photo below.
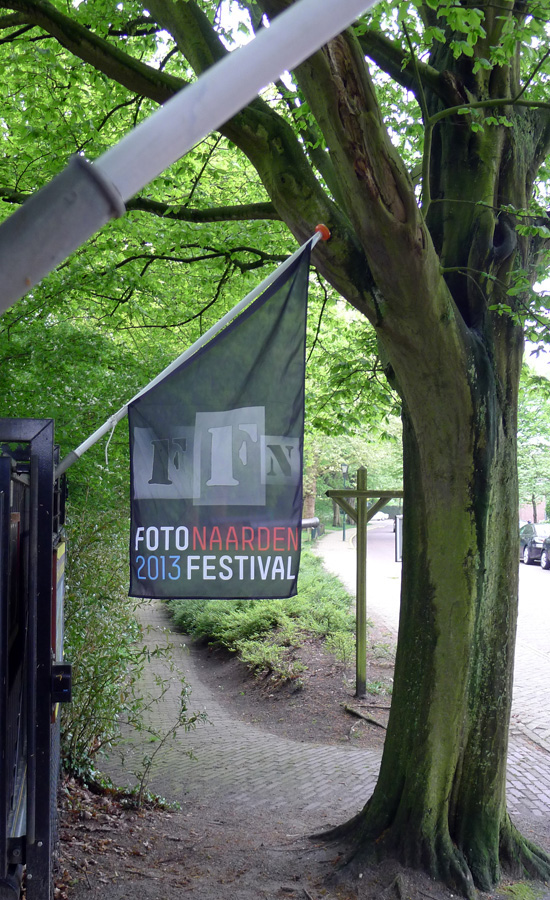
(523, 891)
(267, 633)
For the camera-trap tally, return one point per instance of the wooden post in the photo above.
(361, 515)
(361, 588)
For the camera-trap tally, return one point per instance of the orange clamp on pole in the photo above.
(323, 231)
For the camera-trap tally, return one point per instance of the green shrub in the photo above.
(342, 645)
(270, 657)
(264, 632)
(104, 643)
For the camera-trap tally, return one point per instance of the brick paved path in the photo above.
(250, 768)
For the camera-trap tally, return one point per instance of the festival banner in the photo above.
(216, 453)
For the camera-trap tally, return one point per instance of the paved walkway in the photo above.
(321, 784)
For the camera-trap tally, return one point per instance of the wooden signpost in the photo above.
(361, 516)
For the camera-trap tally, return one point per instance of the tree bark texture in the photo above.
(309, 504)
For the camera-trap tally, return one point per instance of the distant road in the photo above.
(383, 573)
(531, 701)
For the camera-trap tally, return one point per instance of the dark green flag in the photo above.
(216, 453)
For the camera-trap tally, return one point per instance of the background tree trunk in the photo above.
(309, 502)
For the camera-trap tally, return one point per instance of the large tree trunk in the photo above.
(440, 800)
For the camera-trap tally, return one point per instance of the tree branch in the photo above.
(228, 253)
(206, 163)
(12, 20)
(198, 315)
(15, 197)
(16, 34)
(398, 64)
(313, 141)
(421, 98)
(135, 28)
(235, 257)
(250, 212)
(271, 145)
(191, 30)
(99, 53)
(496, 102)
(542, 140)
(374, 182)
(318, 329)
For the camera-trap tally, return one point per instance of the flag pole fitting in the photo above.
(323, 231)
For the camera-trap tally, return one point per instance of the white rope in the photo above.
(107, 444)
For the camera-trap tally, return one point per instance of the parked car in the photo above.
(531, 541)
(545, 554)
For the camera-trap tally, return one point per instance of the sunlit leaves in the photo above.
(346, 390)
(534, 437)
(153, 280)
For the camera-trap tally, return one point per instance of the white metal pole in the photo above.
(207, 336)
(61, 217)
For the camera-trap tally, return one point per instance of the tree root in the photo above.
(350, 829)
(519, 856)
(436, 855)
(367, 839)
(442, 863)
(366, 716)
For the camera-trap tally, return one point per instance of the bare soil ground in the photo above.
(111, 851)
(320, 705)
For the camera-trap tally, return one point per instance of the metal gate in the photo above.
(33, 679)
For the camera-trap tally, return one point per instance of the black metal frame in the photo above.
(29, 740)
